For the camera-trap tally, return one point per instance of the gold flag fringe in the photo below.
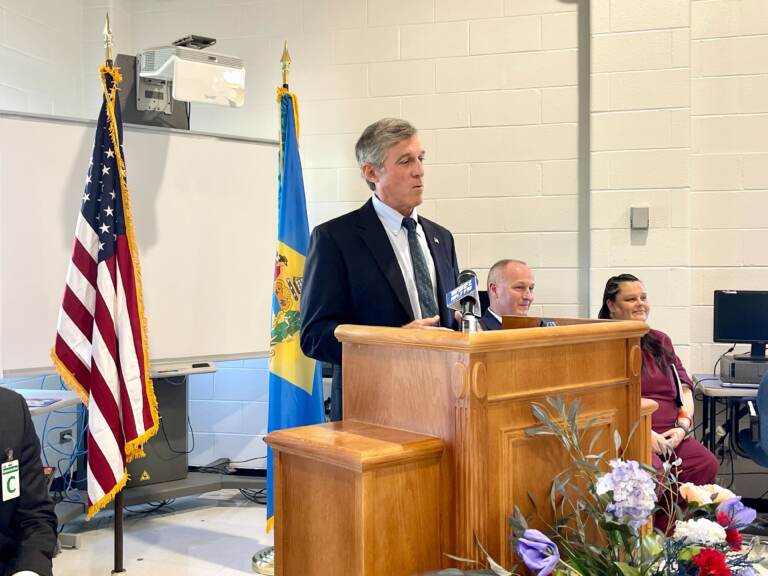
(283, 91)
(133, 449)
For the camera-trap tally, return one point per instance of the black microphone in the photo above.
(466, 300)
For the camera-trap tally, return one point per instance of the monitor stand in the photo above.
(756, 354)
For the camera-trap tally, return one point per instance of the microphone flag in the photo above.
(454, 297)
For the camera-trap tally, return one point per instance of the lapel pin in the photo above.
(436, 240)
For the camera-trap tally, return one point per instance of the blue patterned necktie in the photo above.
(420, 271)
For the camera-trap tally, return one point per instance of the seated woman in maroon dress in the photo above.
(625, 298)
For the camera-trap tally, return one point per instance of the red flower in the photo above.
(732, 535)
(734, 539)
(711, 563)
(724, 520)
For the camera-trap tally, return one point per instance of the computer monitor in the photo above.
(741, 317)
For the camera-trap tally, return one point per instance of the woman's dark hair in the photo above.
(612, 288)
(650, 341)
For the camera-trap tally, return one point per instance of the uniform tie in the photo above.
(420, 271)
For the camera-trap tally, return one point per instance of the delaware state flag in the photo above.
(295, 382)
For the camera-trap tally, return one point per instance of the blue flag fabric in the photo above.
(295, 382)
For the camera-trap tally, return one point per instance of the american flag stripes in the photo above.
(101, 344)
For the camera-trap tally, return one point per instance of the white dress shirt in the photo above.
(392, 221)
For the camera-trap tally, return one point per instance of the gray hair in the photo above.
(376, 139)
(494, 274)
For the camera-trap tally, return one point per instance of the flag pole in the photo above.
(263, 562)
(108, 40)
(118, 502)
(285, 61)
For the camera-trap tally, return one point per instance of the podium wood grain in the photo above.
(353, 498)
(473, 394)
(474, 391)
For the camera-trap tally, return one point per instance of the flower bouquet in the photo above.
(604, 507)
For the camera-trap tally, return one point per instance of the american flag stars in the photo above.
(101, 203)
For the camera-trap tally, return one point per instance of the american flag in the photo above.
(101, 345)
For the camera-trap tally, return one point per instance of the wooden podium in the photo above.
(473, 392)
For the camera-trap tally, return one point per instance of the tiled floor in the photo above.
(214, 534)
(207, 535)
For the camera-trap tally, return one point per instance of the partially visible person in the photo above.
(625, 298)
(27, 518)
(510, 292)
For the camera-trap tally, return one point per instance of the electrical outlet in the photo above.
(65, 436)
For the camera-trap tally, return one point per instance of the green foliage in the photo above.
(590, 540)
(579, 511)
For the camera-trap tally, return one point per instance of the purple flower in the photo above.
(538, 552)
(739, 514)
(632, 492)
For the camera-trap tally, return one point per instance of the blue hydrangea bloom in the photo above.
(632, 490)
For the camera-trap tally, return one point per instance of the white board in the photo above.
(205, 212)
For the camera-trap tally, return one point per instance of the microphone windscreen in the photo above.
(465, 276)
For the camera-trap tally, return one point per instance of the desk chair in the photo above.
(753, 441)
(484, 301)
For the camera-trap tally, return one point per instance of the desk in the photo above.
(64, 398)
(712, 389)
(65, 511)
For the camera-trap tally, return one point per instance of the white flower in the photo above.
(705, 494)
(701, 531)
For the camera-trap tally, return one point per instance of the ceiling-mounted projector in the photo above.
(193, 75)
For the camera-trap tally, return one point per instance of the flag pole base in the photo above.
(263, 562)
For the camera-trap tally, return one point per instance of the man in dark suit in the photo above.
(27, 521)
(382, 264)
(510, 292)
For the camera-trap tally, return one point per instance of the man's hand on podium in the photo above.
(430, 322)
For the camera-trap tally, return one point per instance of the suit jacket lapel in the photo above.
(375, 237)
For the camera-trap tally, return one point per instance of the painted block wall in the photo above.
(640, 148)
(678, 114)
(490, 84)
(40, 56)
(228, 413)
(729, 159)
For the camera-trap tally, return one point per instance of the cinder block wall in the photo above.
(490, 84)
(729, 160)
(40, 56)
(640, 153)
(678, 117)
